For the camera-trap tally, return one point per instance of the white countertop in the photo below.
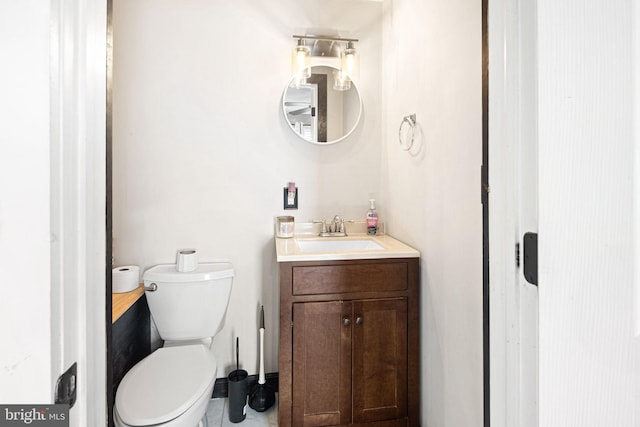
(287, 250)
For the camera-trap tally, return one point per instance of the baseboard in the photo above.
(221, 387)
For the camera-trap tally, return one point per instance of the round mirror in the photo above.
(324, 108)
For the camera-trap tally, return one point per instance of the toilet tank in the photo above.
(189, 305)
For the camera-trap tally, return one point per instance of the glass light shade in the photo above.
(300, 61)
(350, 61)
(341, 81)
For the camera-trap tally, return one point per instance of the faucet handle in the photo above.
(342, 221)
(324, 224)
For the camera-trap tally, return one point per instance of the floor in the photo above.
(218, 416)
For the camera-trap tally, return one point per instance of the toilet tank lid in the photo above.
(205, 271)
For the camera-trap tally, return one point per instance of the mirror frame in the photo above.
(354, 86)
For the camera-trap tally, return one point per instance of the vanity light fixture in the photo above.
(300, 61)
(343, 49)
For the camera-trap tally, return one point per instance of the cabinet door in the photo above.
(321, 363)
(379, 360)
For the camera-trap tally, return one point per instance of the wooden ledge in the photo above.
(120, 303)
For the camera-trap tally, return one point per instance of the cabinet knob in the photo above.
(346, 321)
(359, 320)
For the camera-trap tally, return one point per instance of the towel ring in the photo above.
(411, 121)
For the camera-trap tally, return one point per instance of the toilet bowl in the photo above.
(167, 388)
(172, 386)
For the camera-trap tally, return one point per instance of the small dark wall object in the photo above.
(286, 199)
(531, 258)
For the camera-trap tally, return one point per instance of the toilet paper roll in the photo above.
(186, 260)
(125, 278)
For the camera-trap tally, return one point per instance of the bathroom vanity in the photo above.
(349, 340)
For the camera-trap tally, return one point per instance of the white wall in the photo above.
(589, 358)
(202, 151)
(432, 67)
(25, 320)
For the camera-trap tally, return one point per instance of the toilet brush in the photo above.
(262, 397)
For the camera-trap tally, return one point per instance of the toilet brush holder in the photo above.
(238, 390)
(238, 395)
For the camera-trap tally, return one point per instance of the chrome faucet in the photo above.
(338, 224)
(335, 228)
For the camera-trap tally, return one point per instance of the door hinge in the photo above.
(485, 189)
(66, 386)
(518, 255)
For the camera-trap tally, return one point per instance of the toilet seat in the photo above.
(165, 384)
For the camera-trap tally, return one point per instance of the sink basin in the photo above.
(308, 246)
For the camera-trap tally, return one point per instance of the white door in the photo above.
(78, 203)
(52, 213)
(527, 195)
(587, 369)
(513, 211)
(589, 357)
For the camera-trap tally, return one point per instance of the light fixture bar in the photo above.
(328, 38)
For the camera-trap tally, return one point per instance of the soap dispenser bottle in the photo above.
(372, 218)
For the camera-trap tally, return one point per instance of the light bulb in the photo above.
(300, 61)
(350, 61)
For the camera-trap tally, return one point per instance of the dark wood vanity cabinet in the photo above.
(130, 341)
(349, 343)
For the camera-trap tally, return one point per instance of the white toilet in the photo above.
(172, 386)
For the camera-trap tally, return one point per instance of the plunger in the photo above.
(262, 397)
